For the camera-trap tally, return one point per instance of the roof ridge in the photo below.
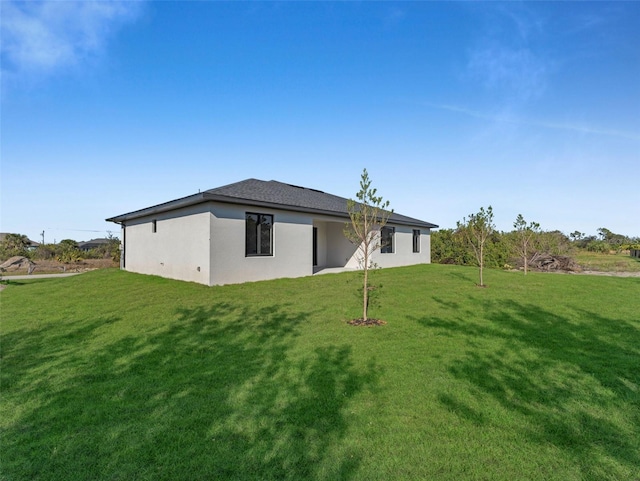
(272, 193)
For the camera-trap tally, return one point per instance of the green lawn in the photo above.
(116, 376)
(595, 261)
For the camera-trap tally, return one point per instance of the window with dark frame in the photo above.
(416, 240)
(259, 235)
(386, 240)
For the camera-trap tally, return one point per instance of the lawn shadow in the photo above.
(462, 410)
(447, 304)
(467, 274)
(8, 282)
(562, 373)
(221, 393)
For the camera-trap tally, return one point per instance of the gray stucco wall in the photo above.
(403, 254)
(292, 246)
(344, 254)
(178, 249)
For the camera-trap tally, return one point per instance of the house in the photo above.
(92, 244)
(256, 230)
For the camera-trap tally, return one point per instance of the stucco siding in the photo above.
(341, 251)
(403, 254)
(292, 246)
(178, 249)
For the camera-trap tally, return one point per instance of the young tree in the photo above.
(368, 215)
(476, 230)
(525, 235)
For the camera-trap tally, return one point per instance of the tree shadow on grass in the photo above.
(9, 282)
(465, 273)
(222, 392)
(576, 379)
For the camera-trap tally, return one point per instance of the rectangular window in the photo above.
(386, 240)
(259, 235)
(154, 226)
(416, 240)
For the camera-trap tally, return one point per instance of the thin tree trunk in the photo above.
(365, 286)
(481, 265)
(365, 295)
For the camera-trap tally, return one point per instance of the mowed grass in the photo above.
(118, 376)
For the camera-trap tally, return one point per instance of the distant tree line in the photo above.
(461, 245)
(605, 241)
(66, 250)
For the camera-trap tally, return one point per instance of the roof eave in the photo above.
(210, 197)
(160, 208)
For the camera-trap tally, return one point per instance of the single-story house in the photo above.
(92, 244)
(256, 230)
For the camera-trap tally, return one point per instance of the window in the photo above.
(416, 240)
(386, 240)
(154, 226)
(259, 235)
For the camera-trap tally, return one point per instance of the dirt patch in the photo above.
(54, 267)
(368, 322)
(611, 273)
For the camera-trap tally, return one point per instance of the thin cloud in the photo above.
(505, 59)
(518, 72)
(572, 127)
(44, 37)
(586, 22)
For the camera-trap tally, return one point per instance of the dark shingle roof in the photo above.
(271, 194)
(93, 243)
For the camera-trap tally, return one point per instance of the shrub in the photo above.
(598, 246)
(14, 245)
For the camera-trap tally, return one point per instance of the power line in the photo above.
(77, 230)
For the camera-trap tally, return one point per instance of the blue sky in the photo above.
(533, 108)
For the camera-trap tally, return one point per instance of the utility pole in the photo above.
(42, 237)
